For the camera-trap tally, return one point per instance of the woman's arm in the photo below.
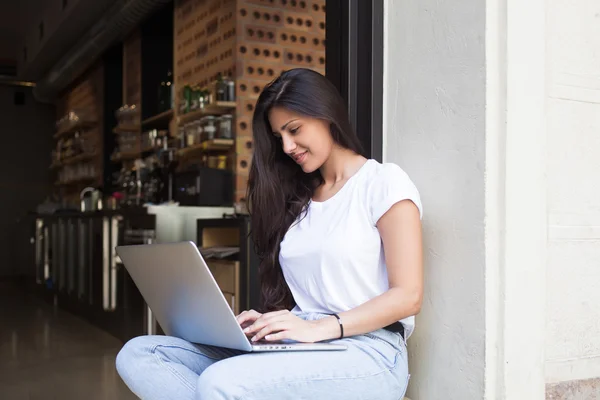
(400, 230)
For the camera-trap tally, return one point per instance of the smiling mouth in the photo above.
(300, 157)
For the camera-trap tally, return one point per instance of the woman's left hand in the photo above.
(279, 325)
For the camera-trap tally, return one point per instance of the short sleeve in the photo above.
(390, 186)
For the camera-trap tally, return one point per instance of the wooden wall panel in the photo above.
(86, 95)
(132, 71)
(273, 36)
(205, 35)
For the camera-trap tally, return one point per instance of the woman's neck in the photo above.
(341, 165)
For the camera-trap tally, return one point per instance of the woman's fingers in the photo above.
(248, 316)
(270, 328)
(267, 319)
(274, 337)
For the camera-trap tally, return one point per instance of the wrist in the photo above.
(328, 327)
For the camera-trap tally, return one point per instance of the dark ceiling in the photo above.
(16, 18)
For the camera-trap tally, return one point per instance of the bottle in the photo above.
(230, 90)
(220, 88)
(162, 96)
(187, 98)
(170, 101)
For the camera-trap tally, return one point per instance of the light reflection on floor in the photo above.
(47, 353)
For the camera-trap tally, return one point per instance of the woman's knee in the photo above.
(218, 383)
(132, 353)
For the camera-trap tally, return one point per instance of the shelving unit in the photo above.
(162, 118)
(206, 146)
(73, 127)
(217, 108)
(76, 181)
(120, 157)
(125, 129)
(236, 275)
(74, 160)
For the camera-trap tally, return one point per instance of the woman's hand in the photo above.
(279, 325)
(247, 318)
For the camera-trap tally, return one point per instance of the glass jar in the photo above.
(197, 131)
(212, 161)
(209, 127)
(181, 137)
(222, 162)
(225, 124)
(189, 134)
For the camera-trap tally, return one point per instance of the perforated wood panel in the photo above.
(273, 36)
(205, 35)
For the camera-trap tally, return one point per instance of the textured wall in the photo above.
(272, 36)
(573, 306)
(434, 128)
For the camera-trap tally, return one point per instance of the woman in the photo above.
(339, 237)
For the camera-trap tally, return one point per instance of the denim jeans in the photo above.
(375, 366)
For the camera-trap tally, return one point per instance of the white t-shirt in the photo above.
(332, 259)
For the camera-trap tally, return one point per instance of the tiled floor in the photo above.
(49, 354)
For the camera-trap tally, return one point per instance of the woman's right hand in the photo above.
(247, 318)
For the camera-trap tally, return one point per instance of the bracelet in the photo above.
(341, 325)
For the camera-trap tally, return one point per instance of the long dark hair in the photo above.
(278, 189)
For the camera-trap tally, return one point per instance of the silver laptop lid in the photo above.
(178, 287)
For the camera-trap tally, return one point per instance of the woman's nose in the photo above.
(288, 144)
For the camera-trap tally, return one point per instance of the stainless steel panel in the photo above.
(81, 258)
(46, 245)
(114, 233)
(105, 263)
(71, 249)
(39, 256)
(54, 256)
(61, 259)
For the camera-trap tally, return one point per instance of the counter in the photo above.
(77, 268)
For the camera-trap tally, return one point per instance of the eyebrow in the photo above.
(287, 123)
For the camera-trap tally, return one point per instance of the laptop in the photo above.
(187, 302)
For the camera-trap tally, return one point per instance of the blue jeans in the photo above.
(375, 366)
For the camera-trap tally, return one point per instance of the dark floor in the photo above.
(46, 353)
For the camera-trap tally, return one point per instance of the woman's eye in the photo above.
(294, 130)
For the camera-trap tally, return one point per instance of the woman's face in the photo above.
(305, 139)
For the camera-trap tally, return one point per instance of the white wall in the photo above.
(573, 307)
(465, 115)
(434, 128)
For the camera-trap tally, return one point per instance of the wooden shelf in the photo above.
(76, 181)
(73, 126)
(218, 108)
(73, 160)
(126, 129)
(120, 157)
(132, 155)
(209, 145)
(150, 148)
(158, 118)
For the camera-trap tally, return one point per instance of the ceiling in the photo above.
(16, 18)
